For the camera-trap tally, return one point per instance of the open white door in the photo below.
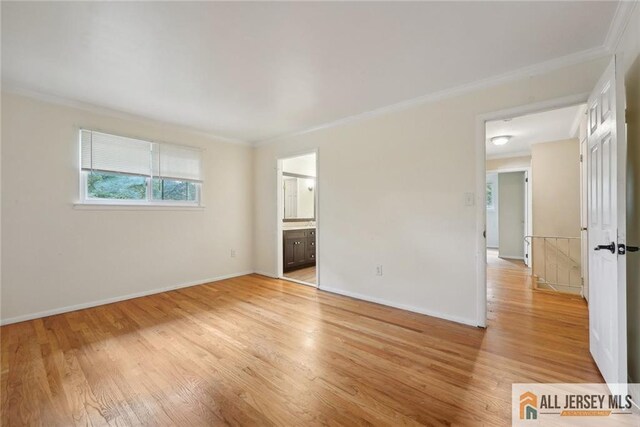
(606, 179)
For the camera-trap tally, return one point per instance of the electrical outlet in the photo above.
(233, 253)
(379, 270)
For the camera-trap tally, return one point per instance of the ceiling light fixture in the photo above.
(500, 140)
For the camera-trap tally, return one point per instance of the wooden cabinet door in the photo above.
(299, 253)
(294, 252)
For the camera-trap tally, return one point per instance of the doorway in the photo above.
(602, 199)
(507, 138)
(508, 214)
(538, 154)
(297, 202)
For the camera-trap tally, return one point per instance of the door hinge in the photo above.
(581, 158)
(526, 180)
(627, 114)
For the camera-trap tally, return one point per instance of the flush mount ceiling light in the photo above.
(500, 140)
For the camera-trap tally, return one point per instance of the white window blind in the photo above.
(176, 162)
(110, 153)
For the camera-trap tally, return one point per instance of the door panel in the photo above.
(289, 253)
(606, 181)
(594, 172)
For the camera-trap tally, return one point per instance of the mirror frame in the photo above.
(297, 175)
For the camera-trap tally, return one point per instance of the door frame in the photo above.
(481, 184)
(528, 200)
(280, 215)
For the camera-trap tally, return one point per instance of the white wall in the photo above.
(392, 192)
(555, 167)
(55, 256)
(493, 233)
(511, 224)
(508, 163)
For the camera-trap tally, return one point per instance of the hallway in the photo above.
(550, 332)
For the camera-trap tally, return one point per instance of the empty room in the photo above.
(320, 213)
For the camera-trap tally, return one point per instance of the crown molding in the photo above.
(619, 23)
(16, 89)
(536, 69)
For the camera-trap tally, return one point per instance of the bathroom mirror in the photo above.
(299, 197)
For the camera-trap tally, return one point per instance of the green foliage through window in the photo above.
(103, 185)
(167, 189)
(115, 186)
(490, 201)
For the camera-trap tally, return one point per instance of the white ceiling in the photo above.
(525, 131)
(253, 71)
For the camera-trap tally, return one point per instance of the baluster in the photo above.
(557, 264)
(544, 241)
(569, 263)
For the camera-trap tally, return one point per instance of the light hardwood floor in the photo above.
(259, 351)
(307, 274)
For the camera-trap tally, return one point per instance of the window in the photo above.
(107, 185)
(119, 170)
(169, 189)
(490, 199)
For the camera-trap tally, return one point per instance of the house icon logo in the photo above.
(528, 406)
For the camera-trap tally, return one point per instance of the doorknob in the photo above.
(623, 249)
(611, 247)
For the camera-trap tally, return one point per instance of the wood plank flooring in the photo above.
(307, 274)
(258, 351)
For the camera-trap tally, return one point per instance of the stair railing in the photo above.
(549, 274)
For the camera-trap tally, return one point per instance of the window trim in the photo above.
(129, 207)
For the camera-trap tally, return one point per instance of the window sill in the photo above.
(134, 207)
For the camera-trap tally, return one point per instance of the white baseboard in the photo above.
(520, 258)
(462, 320)
(266, 274)
(81, 306)
(75, 307)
